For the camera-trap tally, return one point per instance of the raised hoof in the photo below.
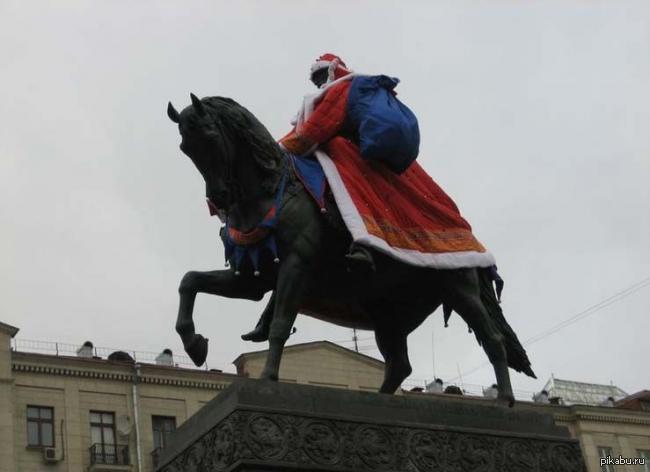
(197, 349)
(257, 335)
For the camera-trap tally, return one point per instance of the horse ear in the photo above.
(197, 104)
(172, 113)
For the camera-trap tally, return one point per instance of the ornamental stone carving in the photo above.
(428, 450)
(301, 443)
(265, 437)
(322, 443)
(375, 447)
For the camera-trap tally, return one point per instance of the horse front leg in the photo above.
(291, 286)
(218, 282)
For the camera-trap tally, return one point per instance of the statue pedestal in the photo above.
(259, 426)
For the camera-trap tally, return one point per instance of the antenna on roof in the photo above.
(460, 376)
(433, 353)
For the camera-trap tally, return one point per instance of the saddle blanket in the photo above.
(407, 216)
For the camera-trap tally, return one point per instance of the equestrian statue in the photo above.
(339, 222)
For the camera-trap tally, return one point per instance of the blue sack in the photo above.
(387, 129)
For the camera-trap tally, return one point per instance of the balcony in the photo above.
(109, 458)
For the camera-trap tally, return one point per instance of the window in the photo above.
(40, 426)
(162, 427)
(645, 454)
(102, 436)
(604, 453)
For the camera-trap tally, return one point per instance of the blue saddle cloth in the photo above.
(311, 174)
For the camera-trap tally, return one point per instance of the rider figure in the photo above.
(326, 121)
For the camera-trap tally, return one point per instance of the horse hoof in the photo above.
(506, 399)
(197, 349)
(269, 376)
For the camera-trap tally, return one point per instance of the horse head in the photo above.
(232, 150)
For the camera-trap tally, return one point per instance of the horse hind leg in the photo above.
(393, 347)
(465, 298)
(391, 333)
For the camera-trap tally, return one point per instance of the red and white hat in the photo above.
(336, 68)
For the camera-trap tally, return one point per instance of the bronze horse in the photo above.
(242, 166)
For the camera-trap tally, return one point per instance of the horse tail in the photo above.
(515, 352)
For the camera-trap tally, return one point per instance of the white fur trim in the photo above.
(309, 101)
(319, 65)
(331, 70)
(356, 226)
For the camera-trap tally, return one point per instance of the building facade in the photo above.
(320, 363)
(81, 413)
(62, 413)
(604, 431)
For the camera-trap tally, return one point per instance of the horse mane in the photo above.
(248, 135)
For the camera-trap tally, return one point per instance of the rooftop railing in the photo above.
(66, 349)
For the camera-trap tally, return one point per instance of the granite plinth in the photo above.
(256, 426)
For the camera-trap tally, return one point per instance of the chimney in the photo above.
(435, 386)
(86, 350)
(541, 397)
(165, 358)
(491, 392)
(609, 401)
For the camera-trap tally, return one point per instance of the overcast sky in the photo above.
(535, 118)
